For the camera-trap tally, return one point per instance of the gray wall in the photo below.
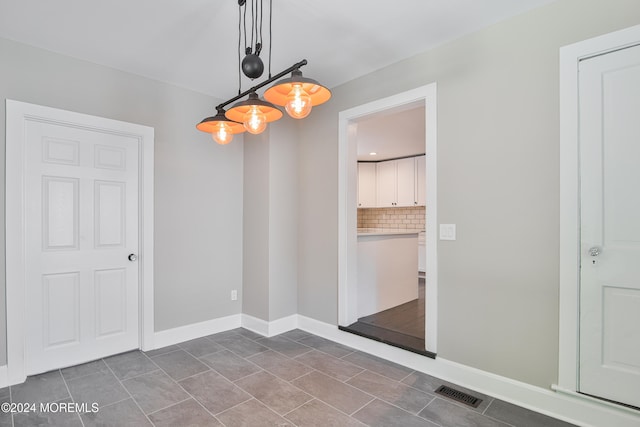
(498, 180)
(270, 222)
(255, 262)
(198, 184)
(283, 219)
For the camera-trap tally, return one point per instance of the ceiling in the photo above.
(193, 43)
(393, 134)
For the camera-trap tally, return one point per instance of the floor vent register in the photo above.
(458, 396)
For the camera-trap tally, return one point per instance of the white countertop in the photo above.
(385, 231)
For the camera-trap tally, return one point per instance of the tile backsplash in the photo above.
(411, 218)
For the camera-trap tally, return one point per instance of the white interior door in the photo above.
(609, 87)
(81, 224)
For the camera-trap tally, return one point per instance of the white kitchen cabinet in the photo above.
(421, 180)
(406, 182)
(396, 183)
(386, 172)
(366, 185)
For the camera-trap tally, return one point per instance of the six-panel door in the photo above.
(81, 204)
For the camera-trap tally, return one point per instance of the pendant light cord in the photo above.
(239, 44)
(270, 33)
(253, 25)
(259, 27)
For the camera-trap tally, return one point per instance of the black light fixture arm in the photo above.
(264, 83)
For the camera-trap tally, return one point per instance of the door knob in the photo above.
(595, 251)
(133, 257)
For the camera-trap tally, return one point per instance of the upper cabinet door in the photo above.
(406, 182)
(386, 183)
(421, 181)
(367, 185)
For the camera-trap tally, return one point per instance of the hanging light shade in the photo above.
(297, 94)
(254, 113)
(221, 128)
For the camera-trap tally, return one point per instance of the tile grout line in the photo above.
(425, 406)
(300, 376)
(11, 401)
(349, 385)
(180, 385)
(243, 358)
(316, 369)
(493, 418)
(170, 405)
(136, 376)
(284, 354)
(387, 401)
(64, 380)
(204, 355)
(408, 375)
(127, 390)
(238, 404)
(191, 396)
(239, 355)
(300, 406)
(373, 398)
(280, 379)
(245, 377)
(163, 354)
(490, 403)
(353, 376)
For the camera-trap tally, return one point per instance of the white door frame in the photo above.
(570, 56)
(17, 114)
(347, 205)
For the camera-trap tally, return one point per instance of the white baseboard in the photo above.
(269, 329)
(196, 330)
(567, 407)
(4, 376)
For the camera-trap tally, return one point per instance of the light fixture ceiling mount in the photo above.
(297, 94)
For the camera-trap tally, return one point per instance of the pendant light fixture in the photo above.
(297, 94)
(221, 128)
(254, 113)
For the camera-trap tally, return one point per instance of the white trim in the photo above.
(269, 329)
(570, 56)
(196, 330)
(347, 205)
(17, 113)
(561, 406)
(4, 376)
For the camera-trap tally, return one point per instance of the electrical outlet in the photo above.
(234, 295)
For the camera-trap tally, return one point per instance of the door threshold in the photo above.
(613, 402)
(390, 341)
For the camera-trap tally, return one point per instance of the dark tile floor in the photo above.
(401, 326)
(238, 378)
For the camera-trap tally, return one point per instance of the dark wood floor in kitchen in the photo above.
(401, 326)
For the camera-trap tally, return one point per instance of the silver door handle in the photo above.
(133, 257)
(595, 251)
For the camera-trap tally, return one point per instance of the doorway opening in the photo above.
(387, 221)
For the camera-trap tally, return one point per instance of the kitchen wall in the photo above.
(198, 184)
(498, 181)
(411, 218)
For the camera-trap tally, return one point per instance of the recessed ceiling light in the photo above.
(373, 153)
